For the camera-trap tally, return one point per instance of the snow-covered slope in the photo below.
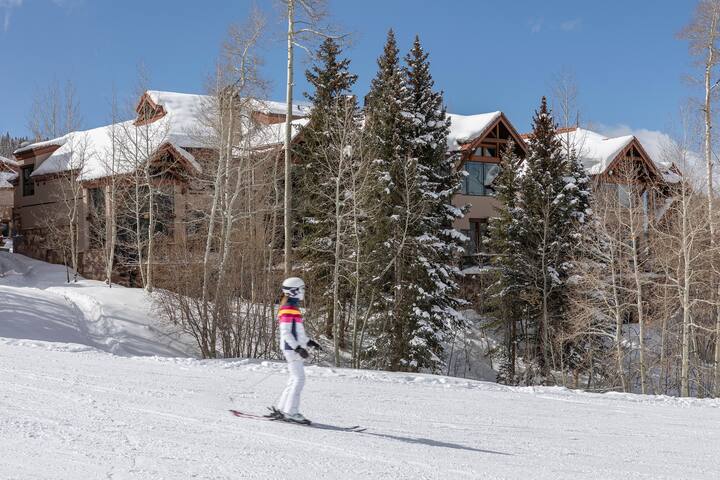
(37, 303)
(69, 412)
(89, 389)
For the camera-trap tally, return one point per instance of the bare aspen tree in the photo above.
(224, 293)
(600, 297)
(565, 97)
(54, 114)
(682, 251)
(303, 17)
(111, 195)
(144, 168)
(703, 33)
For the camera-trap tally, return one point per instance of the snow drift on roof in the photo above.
(464, 128)
(6, 178)
(8, 162)
(596, 151)
(182, 128)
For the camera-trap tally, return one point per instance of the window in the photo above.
(475, 246)
(96, 204)
(479, 178)
(165, 208)
(486, 151)
(28, 185)
(478, 231)
(624, 195)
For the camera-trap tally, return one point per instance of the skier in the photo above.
(294, 344)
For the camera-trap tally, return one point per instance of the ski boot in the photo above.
(296, 418)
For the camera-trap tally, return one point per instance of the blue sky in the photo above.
(485, 55)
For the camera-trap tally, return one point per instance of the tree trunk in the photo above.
(288, 138)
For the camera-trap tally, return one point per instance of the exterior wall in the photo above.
(33, 213)
(7, 198)
(480, 207)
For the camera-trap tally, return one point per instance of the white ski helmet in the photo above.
(294, 287)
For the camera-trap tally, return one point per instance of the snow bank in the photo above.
(36, 303)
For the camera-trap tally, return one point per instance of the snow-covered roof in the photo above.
(6, 178)
(596, 151)
(464, 128)
(186, 106)
(8, 162)
(181, 128)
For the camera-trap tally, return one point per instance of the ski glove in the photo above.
(302, 352)
(314, 344)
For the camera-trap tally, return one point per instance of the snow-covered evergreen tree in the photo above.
(543, 215)
(415, 246)
(505, 234)
(437, 244)
(334, 113)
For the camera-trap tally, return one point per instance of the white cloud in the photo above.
(535, 24)
(68, 3)
(8, 5)
(663, 150)
(573, 24)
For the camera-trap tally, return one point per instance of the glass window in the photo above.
(479, 178)
(492, 170)
(478, 231)
(475, 178)
(624, 195)
(489, 152)
(28, 185)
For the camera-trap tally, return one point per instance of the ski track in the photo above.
(91, 388)
(87, 414)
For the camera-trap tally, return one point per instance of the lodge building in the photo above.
(171, 125)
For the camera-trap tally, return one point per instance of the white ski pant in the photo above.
(290, 399)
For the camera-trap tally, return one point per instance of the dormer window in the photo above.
(148, 111)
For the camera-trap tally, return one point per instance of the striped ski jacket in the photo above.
(292, 331)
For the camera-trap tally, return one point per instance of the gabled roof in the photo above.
(465, 128)
(7, 162)
(6, 179)
(180, 127)
(468, 130)
(598, 152)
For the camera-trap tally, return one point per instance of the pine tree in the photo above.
(334, 112)
(544, 218)
(415, 245)
(505, 234)
(387, 130)
(437, 244)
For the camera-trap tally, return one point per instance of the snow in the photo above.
(464, 128)
(74, 412)
(596, 151)
(37, 303)
(6, 178)
(74, 404)
(181, 128)
(8, 162)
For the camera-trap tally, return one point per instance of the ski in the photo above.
(319, 426)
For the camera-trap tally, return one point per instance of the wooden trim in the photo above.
(478, 140)
(36, 152)
(158, 109)
(644, 158)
